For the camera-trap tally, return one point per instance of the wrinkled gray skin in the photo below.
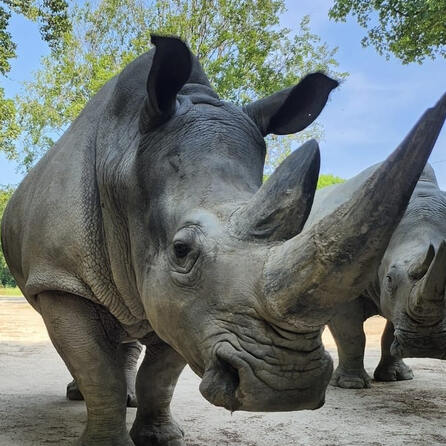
(148, 221)
(408, 289)
(129, 353)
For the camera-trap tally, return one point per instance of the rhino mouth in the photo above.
(419, 345)
(236, 381)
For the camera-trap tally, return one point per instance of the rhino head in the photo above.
(413, 274)
(223, 270)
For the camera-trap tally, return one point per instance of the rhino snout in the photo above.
(236, 382)
(419, 344)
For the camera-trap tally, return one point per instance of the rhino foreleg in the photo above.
(76, 330)
(348, 332)
(129, 353)
(155, 384)
(390, 368)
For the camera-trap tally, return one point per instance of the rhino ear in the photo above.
(170, 70)
(292, 109)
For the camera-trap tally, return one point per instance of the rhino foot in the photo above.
(157, 434)
(395, 370)
(74, 394)
(350, 379)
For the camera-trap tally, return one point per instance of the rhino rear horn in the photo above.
(420, 268)
(332, 261)
(279, 209)
(170, 70)
(428, 301)
(434, 282)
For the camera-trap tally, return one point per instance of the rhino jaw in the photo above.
(232, 381)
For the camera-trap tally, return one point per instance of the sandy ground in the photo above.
(34, 411)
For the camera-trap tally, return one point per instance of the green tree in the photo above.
(6, 278)
(9, 128)
(410, 29)
(328, 179)
(244, 50)
(53, 22)
(50, 14)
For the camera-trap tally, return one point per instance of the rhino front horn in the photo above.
(331, 262)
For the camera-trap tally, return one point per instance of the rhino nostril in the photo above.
(231, 374)
(220, 383)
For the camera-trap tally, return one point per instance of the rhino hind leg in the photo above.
(390, 368)
(129, 353)
(80, 339)
(348, 332)
(155, 384)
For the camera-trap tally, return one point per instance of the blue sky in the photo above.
(367, 117)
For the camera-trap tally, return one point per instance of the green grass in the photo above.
(10, 292)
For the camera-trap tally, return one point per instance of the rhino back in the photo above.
(52, 231)
(329, 198)
(426, 198)
(424, 221)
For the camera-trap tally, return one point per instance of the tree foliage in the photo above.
(50, 14)
(9, 128)
(410, 29)
(6, 278)
(53, 21)
(243, 48)
(328, 179)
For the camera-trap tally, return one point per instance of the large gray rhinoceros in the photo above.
(148, 221)
(408, 287)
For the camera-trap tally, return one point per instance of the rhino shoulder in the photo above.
(52, 229)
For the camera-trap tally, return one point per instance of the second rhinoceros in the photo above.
(148, 220)
(408, 287)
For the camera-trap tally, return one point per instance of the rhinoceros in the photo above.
(407, 288)
(148, 221)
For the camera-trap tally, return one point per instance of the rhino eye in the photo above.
(389, 283)
(181, 249)
(184, 251)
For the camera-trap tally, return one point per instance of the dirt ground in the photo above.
(34, 411)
